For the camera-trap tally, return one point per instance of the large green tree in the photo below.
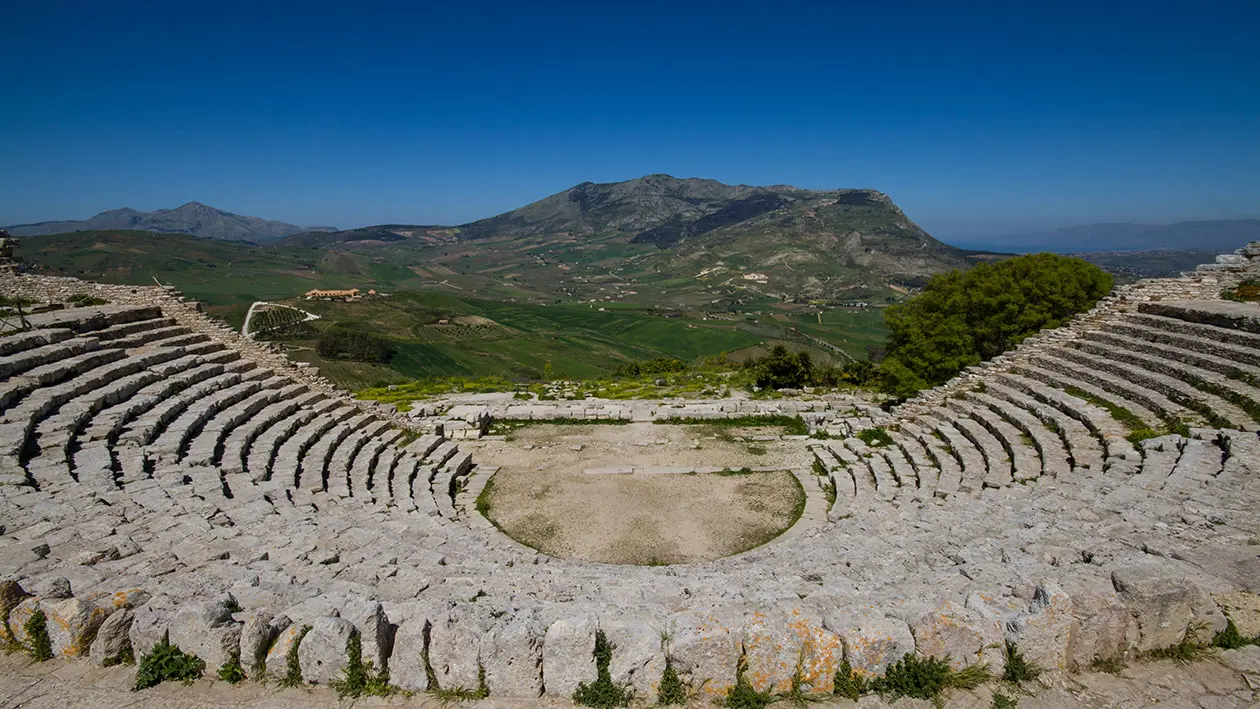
(965, 317)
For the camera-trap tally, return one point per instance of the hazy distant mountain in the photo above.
(1217, 235)
(193, 218)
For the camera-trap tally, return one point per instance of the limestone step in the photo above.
(1018, 448)
(30, 358)
(1174, 381)
(1110, 432)
(1049, 446)
(1208, 332)
(17, 342)
(1221, 314)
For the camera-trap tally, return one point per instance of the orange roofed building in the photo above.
(317, 293)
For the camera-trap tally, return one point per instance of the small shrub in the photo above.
(36, 628)
(1019, 668)
(1002, 701)
(231, 671)
(1110, 665)
(743, 695)
(1231, 639)
(80, 300)
(929, 678)
(1248, 291)
(875, 437)
(671, 689)
(166, 663)
(603, 693)
(848, 683)
(292, 665)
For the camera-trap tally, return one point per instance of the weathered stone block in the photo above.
(205, 628)
(376, 631)
(1103, 628)
(638, 659)
(112, 641)
(407, 662)
(20, 615)
(513, 659)
(455, 651)
(258, 633)
(569, 654)
(872, 641)
(1166, 604)
(780, 644)
(11, 594)
(323, 652)
(706, 650)
(72, 625)
(961, 634)
(1044, 634)
(277, 660)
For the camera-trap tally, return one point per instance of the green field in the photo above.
(220, 273)
(525, 341)
(496, 328)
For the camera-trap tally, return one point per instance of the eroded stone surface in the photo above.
(178, 461)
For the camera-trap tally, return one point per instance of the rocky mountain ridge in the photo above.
(193, 218)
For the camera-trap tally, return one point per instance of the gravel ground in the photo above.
(543, 497)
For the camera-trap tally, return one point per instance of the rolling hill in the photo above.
(686, 241)
(193, 218)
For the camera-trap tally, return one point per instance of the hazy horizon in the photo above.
(948, 230)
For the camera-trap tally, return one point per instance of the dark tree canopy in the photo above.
(339, 342)
(965, 317)
(783, 370)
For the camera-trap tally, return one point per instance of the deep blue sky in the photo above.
(978, 119)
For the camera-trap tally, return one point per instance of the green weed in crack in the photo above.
(603, 693)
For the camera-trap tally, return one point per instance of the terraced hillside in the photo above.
(1087, 497)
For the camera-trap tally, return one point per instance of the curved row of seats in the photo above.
(1058, 408)
(123, 395)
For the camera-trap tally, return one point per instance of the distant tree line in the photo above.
(658, 365)
(342, 342)
(781, 369)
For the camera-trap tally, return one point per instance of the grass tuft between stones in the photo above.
(231, 671)
(928, 678)
(1190, 649)
(292, 664)
(875, 437)
(167, 663)
(463, 694)
(1231, 639)
(848, 683)
(1019, 669)
(603, 693)
(359, 678)
(743, 695)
